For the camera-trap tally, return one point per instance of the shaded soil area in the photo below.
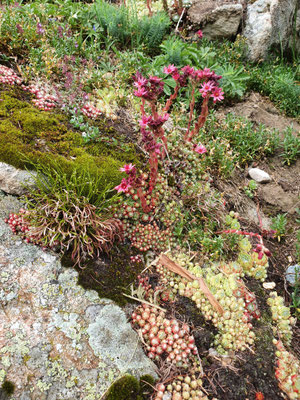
(110, 275)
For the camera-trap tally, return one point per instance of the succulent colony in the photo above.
(147, 214)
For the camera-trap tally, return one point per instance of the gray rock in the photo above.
(217, 19)
(259, 175)
(295, 37)
(112, 337)
(291, 272)
(9, 204)
(14, 181)
(268, 23)
(71, 343)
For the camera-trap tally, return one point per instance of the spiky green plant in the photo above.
(70, 213)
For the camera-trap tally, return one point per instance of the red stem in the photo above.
(144, 204)
(172, 98)
(243, 233)
(192, 105)
(201, 120)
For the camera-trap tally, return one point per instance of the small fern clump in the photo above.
(122, 26)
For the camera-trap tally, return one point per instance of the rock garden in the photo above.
(149, 200)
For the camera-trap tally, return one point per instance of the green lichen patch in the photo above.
(129, 388)
(8, 387)
(29, 137)
(111, 275)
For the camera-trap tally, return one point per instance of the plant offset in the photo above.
(121, 118)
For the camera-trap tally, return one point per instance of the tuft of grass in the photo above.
(291, 147)
(71, 213)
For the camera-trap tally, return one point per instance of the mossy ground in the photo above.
(29, 136)
(111, 275)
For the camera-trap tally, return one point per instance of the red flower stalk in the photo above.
(260, 248)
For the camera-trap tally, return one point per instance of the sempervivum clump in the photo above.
(20, 225)
(167, 338)
(186, 164)
(8, 76)
(251, 307)
(281, 316)
(91, 111)
(253, 264)
(187, 387)
(235, 331)
(44, 99)
(150, 229)
(287, 371)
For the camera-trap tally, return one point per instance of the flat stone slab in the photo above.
(59, 341)
(14, 181)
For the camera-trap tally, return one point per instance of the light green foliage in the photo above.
(234, 80)
(233, 331)
(121, 26)
(281, 317)
(291, 146)
(279, 224)
(235, 141)
(279, 82)
(251, 188)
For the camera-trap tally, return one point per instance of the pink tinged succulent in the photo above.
(206, 87)
(154, 79)
(123, 187)
(176, 76)
(141, 81)
(217, 94)
(170, 69)
(127, 168)
(200, 149)
(188, 70)
(140, 92)
(199, 34)
(144, 121)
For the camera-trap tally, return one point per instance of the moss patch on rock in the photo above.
(111, 275)
(129, 388)
(8, 387)
(29, 136)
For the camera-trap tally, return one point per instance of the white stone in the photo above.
(14, 181)
(268, 23)
(269, 285)
(259, 175)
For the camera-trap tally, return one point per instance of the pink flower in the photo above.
(154, 79)
(140, 92)
(127, 168)
(123, 187)
(141, 81)
(206, 87)
(144, 121)
(199, 148)
(217, 94)
(199, 34)
(188, 70)
(176, 76)
(170, 69)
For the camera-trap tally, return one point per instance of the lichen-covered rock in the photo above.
(268, 23)
(217, 19)
(13, 180)
(59, 341)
